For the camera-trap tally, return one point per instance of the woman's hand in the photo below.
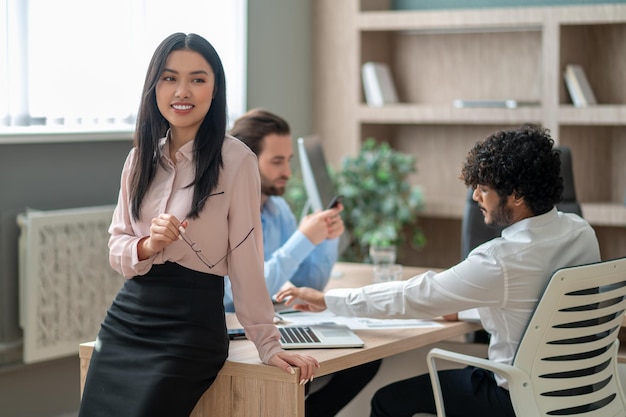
(287, 360)
(302, 298)
(164, 230)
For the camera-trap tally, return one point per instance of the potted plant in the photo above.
(381, 206)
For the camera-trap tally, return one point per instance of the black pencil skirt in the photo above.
(161, 345)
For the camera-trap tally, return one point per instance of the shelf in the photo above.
(604, 214)
(453, 21)
(437, 56)
(596, 15)
(598, 115)
(449, 115)
(597, 214)
(484, 20)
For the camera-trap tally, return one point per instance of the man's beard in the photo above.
(502, 216)
(272, 190)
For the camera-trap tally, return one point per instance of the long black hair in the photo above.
(152, 126)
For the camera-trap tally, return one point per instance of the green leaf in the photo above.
(380, 203)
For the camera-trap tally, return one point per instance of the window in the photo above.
(75, 63)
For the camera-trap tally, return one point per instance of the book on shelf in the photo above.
(378, 84)
(578, 86)
(507, 103)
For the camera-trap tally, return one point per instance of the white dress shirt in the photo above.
(503, 278)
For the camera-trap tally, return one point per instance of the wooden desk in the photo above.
(246, 387)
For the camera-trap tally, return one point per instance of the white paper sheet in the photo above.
(355, 323)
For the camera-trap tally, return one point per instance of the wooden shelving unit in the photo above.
(507, 53)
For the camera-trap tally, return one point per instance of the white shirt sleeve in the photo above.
(475, 282)
(469, 315)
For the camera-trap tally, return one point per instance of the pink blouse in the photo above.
(230, 213)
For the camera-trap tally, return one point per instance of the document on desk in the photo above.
(355, 323)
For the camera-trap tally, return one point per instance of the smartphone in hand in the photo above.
(334, 202)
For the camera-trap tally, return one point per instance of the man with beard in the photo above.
(516, 179)
(299, 255)
(296, 255)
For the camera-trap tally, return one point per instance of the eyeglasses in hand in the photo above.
(201, 256)
(183, 236)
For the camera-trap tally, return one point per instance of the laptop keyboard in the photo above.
(297, 335)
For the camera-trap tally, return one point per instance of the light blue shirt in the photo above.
(289, 255)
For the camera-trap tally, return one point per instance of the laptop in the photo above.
(318, 336)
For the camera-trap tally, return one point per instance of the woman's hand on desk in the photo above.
(302, 298)
(286, 360)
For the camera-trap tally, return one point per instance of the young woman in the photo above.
(187, 214)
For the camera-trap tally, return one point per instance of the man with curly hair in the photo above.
(516, 179)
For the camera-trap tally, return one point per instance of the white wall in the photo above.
(279, 60)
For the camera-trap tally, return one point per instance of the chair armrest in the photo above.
(506, 371)
(512, 374)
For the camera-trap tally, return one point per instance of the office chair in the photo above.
(475, 232)
(566, 363)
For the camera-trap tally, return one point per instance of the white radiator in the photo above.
(66, 282)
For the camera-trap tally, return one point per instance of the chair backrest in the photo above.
(475, 232)
(569, 349)
(569, 203)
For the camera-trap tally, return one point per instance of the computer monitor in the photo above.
(317, 183)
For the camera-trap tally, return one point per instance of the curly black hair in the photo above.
(520, 162)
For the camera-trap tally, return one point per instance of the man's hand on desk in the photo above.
(302, 298)
(451, 317)
(286, 285)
